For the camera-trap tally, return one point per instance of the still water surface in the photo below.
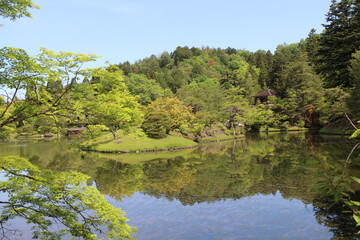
(260, 187)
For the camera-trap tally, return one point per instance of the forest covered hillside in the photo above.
(194, 92)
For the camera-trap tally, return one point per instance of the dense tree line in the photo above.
(315, 81)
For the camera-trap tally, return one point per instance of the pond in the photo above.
(260, 187)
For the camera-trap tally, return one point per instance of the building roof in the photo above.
(266, 93)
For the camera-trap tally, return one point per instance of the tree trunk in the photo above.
(113, 133)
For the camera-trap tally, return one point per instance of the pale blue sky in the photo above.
(129, 30)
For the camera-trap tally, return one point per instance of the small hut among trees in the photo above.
(263, 96)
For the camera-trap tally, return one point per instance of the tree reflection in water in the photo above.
(260, 164)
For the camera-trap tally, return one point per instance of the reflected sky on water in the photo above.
(261, 187)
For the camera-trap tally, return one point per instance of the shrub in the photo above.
(156, 124)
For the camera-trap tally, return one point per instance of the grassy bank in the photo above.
(128, 143)
(136, 158)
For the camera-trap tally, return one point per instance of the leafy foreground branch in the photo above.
(337, 190)
(47, 200)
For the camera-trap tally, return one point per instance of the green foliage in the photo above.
(292, 71)
(5, 132)
(356, 134)
(203, 79)
(230, 170)
(181, 53)
(27, 130)
(354, 99)
(147, 89)
(177, 78)
(157, 124)
(335, 187)
(149, 66)
(165, 60)
(173, 114)
(354, 206)
(333, 108)
(131, 143)
(339, 189)
(197, 94)
(205, 98)
(45, 199)
(236, 108)
(241, 74)
(14, 9)
(94, 131)
(46, 80)
(284, 54)
(45, 124)
(258, 117)
(110, 103)
(338, 41)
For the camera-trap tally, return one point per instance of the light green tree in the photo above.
(110, 103)
(46, 199)
(42, 198)
(164, 115)
(242, 75)
(157, 124)
(205, 95)
(206, 98)
(147, 89)
(14, 9)
(37, 86)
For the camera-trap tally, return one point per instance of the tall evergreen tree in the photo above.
(354, 100)
(284, 55)
(339, 40)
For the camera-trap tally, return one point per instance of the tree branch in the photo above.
(20, 175)
(86, 219)
(352, 151)
(352, 124)
(50, 109)
(11, 101)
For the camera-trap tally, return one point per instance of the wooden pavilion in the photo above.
(263, 96)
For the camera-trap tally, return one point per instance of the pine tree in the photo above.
(354, 100)
(339, 40)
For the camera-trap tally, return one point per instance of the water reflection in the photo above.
(246, 189)
(256, 217)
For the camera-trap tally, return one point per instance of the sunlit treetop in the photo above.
(13, 9)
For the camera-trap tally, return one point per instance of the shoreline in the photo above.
(161, 149)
